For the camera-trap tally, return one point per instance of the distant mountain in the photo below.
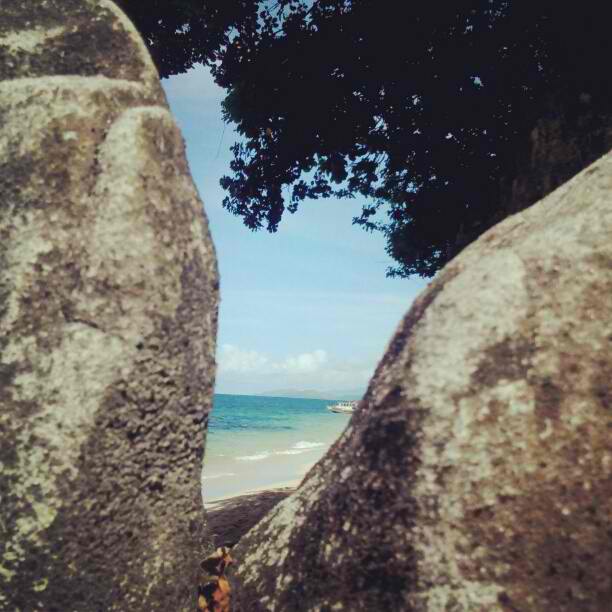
(345, 394)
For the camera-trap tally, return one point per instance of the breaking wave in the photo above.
(297, 449)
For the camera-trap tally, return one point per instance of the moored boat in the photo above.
(343, 407)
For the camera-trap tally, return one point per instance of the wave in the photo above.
(308, 445)
(297, 449)
(218, 476)
(257, 457)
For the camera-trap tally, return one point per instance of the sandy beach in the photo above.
(289, 485)
(261, 443)
(258, 450)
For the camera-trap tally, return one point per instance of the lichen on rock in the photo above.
(476, 473)
(108, 305)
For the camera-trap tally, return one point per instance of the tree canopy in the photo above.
(421, 109)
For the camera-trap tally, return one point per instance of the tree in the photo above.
(423, 109)
(182, 33)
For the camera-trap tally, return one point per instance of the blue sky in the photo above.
(308, 307)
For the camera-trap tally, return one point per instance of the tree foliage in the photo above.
(182, 33)
(419, 108)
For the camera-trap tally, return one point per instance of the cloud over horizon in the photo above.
(234, 359)
(243, 368)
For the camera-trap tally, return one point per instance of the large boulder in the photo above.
(476, 474)
(108, 302)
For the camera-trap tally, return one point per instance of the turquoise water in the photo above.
(256, 442)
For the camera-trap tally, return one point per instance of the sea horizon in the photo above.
(330, 396)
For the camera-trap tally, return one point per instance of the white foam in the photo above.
(257, 457)
(297, 449)
(307, 445)
(218, 476)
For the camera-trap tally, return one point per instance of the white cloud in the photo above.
(234, 359)
(306, 362)
(247, 370)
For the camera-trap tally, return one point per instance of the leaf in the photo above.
(214, 591)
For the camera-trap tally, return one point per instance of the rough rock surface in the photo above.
(229, 519)
(108, 301)
(476, 474)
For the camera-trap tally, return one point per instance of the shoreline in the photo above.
(213, 504)
(229, 518)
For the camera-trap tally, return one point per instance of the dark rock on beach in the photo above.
(230, 519)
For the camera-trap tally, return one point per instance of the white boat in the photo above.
(343, 407)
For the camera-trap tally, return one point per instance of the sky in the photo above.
(308, 307)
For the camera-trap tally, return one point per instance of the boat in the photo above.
(343, 407)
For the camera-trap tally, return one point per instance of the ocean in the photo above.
(257, 442)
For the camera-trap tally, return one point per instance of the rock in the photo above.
(476, 473)
(229, 519)
(108, 302)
